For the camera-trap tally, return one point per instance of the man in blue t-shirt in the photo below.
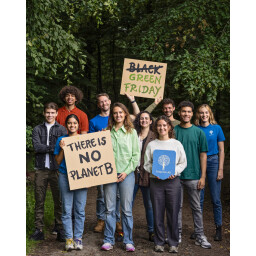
(99, 123)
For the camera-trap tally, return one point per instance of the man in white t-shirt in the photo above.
(44, 138)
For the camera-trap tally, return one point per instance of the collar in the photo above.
(122, 128)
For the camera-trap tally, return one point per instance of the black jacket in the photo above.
(39, 139)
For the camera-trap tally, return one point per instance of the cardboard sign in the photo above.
(89, 160)
(143, 78)
(163, 163)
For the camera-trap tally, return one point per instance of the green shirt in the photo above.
(194, 142)
(126, 149)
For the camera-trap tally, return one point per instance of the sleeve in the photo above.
(57, 146)
(203, 142)
(38, 146)
(135, 158)
(182, 160)
(151, 107)
(220, 136)
(84, 123)
(91, 127)
(148, 160)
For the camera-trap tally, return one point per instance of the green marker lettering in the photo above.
(140, 77)
(144, 87)
(158, 79)
(157, 90)
(146, 78)
(126, 86)
(133, 86)
(132, 77)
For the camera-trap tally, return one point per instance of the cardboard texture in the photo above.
(90, 160)
(143, 78)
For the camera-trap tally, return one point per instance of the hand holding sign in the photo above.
(89, 160)
(143, 78)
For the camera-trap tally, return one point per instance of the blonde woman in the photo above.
(126, 149)
(215, 161)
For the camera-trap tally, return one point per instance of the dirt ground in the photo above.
(92, 241)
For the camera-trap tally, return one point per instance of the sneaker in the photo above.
(193, 236)
(151, 236)
(179, 238)
(202, 241)
(78, 245)
(61, 236)
(159, 248)
(107, 247)
(173, 249)
(129, 248)
(37, 235)
(69, 244)
(120, 237)
(100, 226)
(119, 227)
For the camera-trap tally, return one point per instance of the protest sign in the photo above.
(143, 78)
(89, 160)
(163, 163)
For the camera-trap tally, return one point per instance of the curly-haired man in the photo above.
(70, 95)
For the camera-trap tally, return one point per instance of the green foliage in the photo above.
(29, 145)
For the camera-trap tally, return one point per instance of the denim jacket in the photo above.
(39, 139)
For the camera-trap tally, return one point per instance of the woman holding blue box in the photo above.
(165, 194)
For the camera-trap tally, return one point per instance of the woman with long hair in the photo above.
(70, 197)
(126, 152)
(143, 124)
(215, 161)
(165, 194)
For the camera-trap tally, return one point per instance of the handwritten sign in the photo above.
(163, 163)
(89, 160)
(143, 78)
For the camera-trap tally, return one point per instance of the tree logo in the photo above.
(163, 161)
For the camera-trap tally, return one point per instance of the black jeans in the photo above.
(42, 178)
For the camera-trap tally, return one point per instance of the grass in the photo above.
(30, 215)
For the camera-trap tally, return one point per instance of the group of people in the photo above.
(199, 152)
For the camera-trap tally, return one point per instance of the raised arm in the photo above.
(151, 107)
(135, 106)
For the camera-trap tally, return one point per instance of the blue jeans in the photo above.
(100, 204)
(126, 194)
(215, 188)
(69, 197)
(147, 203)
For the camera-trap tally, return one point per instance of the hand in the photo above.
(131, 98)
(158, 100)
(121, 177)
(201, 183)
(171, 177)
(220, 175)
(62, 144)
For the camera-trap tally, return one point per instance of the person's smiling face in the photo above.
(186, 114)
(50, 115)
(118, 115)
(72, 125)
(70, 99)
(145, 120)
